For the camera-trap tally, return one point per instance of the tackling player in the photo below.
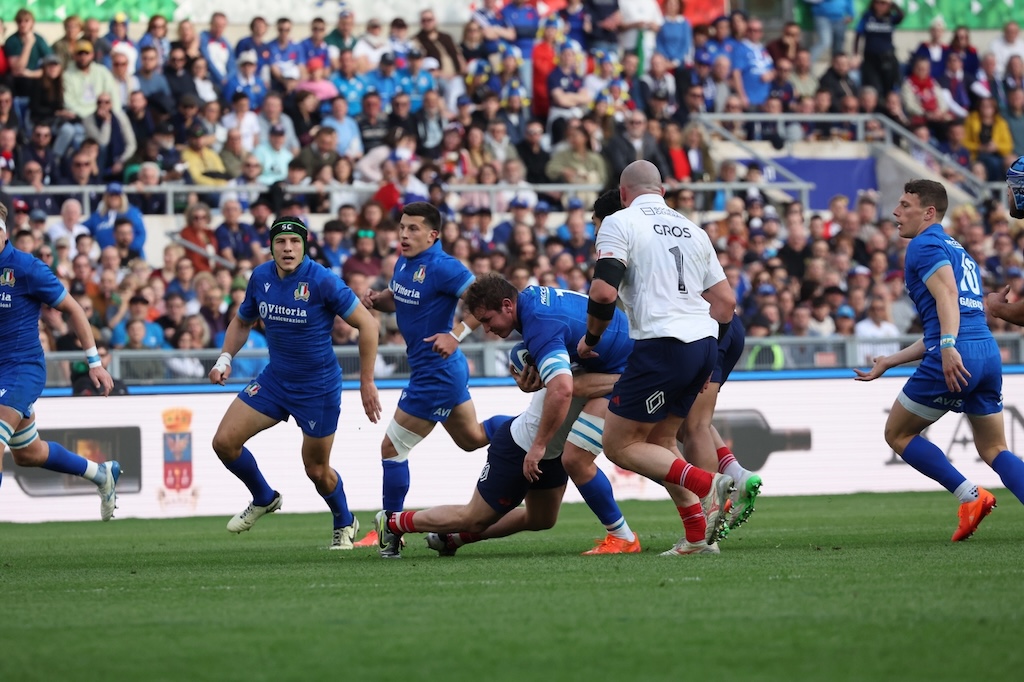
(25, 285)
(297, 301)
(961, 368)
(674, 291)
(423, 294)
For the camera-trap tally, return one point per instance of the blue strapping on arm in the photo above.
(924, 278)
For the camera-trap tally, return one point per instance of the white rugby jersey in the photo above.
(670, 263)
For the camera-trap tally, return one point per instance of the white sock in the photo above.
(620, 529)
(966, 492)
(738, 473)
(94, 472)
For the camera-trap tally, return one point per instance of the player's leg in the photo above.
(241, 422)
(990, 439)
(466, 431)
(28, 450)
(579, 458)
(316, 459)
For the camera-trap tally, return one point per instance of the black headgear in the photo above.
(291, 224)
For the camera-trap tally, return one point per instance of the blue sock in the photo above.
(396, 484)
(339, 505)
(494, 423)
(63, 460)
(597, 493)
(928, 459)
(1, 478)
(1011, 472)
(249, 473)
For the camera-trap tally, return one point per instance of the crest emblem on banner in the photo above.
(178, 479)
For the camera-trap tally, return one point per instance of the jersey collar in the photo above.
(297, 271)
(7, 251)
(649, 199)
(431, 250)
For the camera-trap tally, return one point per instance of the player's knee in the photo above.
(578, 463)
(398, 442)
(541, 521)
(318, 473)
(225, 447)
(474, 439)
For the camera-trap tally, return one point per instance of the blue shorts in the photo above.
(925, 393)
(663, 376)
(432, 395)
(730, 348)
(316, 412)
(502, 484)
(22, 383)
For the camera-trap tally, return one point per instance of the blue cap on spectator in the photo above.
(720, 18)
(575, 204)
(766, 290)
(859, 270)
(846, 311)
(1010, 272)
(463, 101)
(542, 207)
(115, 188)
(277, 130)
(552, 21)
(703, 57)
(471, 209)
(756, 232)
(37, 214)
(518, 202)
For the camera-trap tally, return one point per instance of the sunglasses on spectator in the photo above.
(365, 234)
(201, 216)
(46, 254)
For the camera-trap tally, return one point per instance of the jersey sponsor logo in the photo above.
(405, 294)
(266, 287)
(659, 210)
(442, 412)
(301, 292)
(948, 402)
(420, 274)
(485, 472)
(655, 401)
(252, 389)
(5, 299)
(7, 278)
(280, 313)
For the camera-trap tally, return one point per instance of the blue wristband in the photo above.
(947, 341)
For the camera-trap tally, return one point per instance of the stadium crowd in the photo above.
(373, 116)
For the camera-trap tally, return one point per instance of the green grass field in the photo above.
(862, 587)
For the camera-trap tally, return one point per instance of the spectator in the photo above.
(25, 50)
(934, 49)
(544, 60)
(207, 88)
(173, 317)
(633, 144)
(364, 259)
(753, 69)
(86, 81)
(372, 122)
(121, 44)
(343, 36)
(961, 45)
(121, 67)
(322, 152)
(316, 82)
(111, 128)
(923, 100)
(64, 47)
(242, 120)
(273, 157)
(787, 45)
(534, 157)
(675, 36)
(113, 205)
(877, 325)
(139, 309)
(988, 137)
(305, 116)
(179, 78)
(568, 97)
(831, 18)
(204, 165)
(272, 115)
(1003, 47)
(217, 51)
(370, 46)
(156, 37)
(246, 80)
(101, 45)
(197, 232)
(439, 45)
(879, 68)
(124, 233)
(956, 85)
(837, 79)
(577, 163)
(1015, 119)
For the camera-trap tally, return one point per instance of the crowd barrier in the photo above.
(804, 436)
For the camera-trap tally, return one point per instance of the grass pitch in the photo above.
(861, 587)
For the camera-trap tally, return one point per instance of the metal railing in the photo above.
(489, 359)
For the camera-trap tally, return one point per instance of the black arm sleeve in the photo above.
(610, 270)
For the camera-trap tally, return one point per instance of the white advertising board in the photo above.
(827, 437)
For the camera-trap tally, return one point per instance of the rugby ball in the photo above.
(519, 358)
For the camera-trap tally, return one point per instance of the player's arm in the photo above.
(604, 292)
(943, 288)
(369, 334)
(911, 353)
(383, 301)
(593, 385)
(234, 338)
(444, 344)
(557, 399)
(998, 304)
(79, 323)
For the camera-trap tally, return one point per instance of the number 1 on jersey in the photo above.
(679, 267)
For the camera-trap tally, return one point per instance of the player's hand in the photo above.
(531, 465)
(996, 299)
(101, 380)
(877, 370)
(953, 369)
(371, 401)
(444, 344)
(528, 380)
(585, 352)
(219, 377)
(369, 299)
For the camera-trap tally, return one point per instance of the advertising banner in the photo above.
(803, 437)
